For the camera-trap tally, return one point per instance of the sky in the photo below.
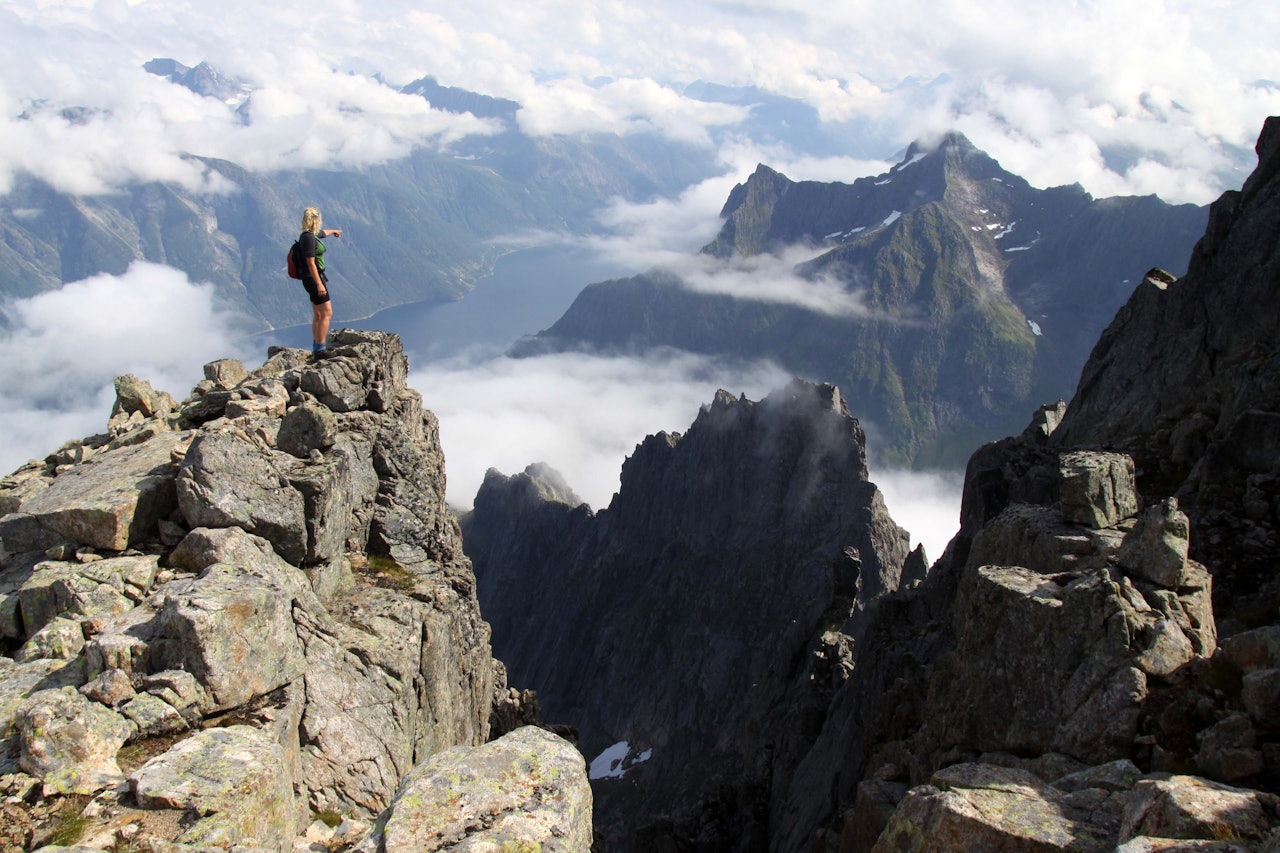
(1121, 96)
(1124, 96)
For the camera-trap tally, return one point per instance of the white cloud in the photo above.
(583, 415)
(926, 503)
(773, 278)
(64, 349)
(1122, 95)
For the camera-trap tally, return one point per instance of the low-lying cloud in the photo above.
(584, 415)
(581, 414)
(63, 350)
(773, 278)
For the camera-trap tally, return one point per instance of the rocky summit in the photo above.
(245, 620)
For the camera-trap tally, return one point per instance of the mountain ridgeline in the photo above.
(421, 228)
(971, 296)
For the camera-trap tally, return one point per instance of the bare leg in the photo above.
(320, 316)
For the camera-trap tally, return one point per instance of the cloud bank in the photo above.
(581, 414)
(584, 415)
(1124, 96)
(64, 349)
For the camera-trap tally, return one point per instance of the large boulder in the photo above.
(235, 780)
(1189, 807)
(229, 481)
(232, 627)
(971, 807)
(20, 681)
(87, 590)
(1041, 664)
(527, 790)
(404, 678)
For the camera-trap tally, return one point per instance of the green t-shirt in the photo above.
(311, 245)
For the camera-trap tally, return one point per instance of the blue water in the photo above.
(527, 292)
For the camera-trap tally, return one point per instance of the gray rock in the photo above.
(1261, 696)
(100, 588)
(233, 630)
(1156, 548)
(268, 398)
(225, 372)
(137, 395)
(328, 504)
(227, 481)
(20, 681)
(110, 687)
(1254, 650)
(307, 427)
(1228, 750)
(981, 807)
(1037, 538)
(69, 742)
(1190, 807)
(179, 689)
(378, 698)
(152, 716)
(1041, 664)
(215, 773)
(1147, 844)
(1119, 775)
(526, 790)
(1097, 489)
(112, 502)
(62, 638)
(872, 810)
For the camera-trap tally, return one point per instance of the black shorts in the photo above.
(313, 289)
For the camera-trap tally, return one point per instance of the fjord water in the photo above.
(528, 291)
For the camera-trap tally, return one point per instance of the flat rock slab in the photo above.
(110, 502)
(527, 790)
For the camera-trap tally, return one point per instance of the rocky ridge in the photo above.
(642, 624)
(1092, 665)
(231, 616)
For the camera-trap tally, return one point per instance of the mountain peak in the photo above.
(956, 156)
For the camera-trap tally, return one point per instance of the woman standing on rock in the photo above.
(311, 258)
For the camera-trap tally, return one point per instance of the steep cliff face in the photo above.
(956, 297)
(1072, 658)
(704, 617)
(250, 607)
(1187, 378)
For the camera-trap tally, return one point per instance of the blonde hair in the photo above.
(311, 219)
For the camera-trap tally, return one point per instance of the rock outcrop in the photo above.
(230, 614)
(699, 623)
(1091, 664)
